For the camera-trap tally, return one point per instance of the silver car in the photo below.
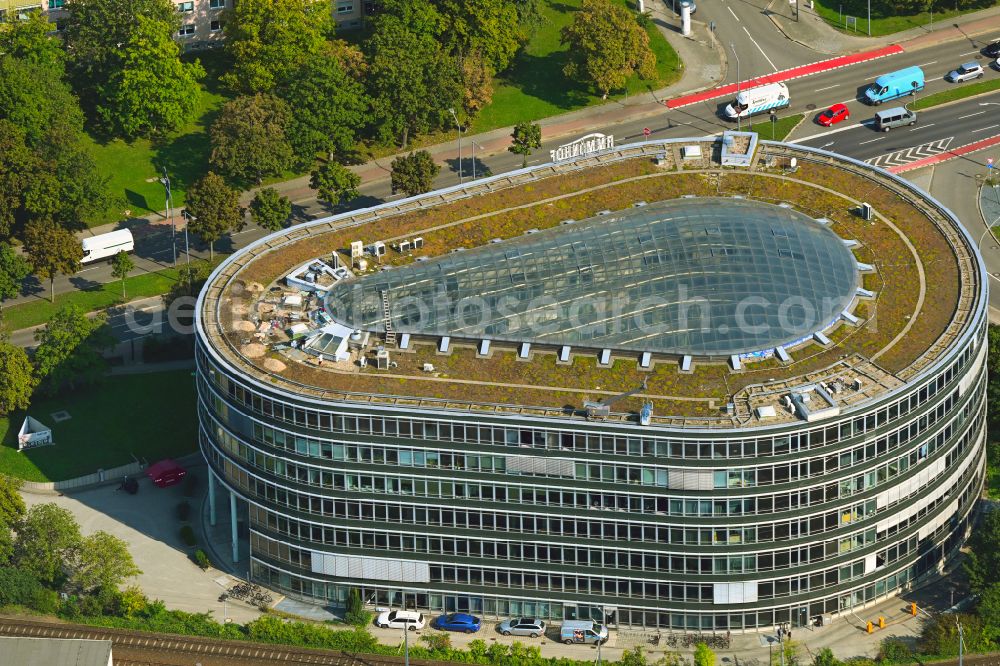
(970, 70)
(523, 626)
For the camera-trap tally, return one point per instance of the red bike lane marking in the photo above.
(947, 155)
(786, 75)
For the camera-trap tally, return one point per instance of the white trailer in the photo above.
(105, 246)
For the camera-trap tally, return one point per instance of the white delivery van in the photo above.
(105, 246)
(756, 100)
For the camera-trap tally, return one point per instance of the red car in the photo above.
(833, 115)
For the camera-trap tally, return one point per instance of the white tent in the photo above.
(33, 433)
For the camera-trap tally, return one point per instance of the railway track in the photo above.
(142, 648)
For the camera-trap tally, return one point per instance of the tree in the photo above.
(215, 207)
(269, 210)
(17, 380)
(703, 655)
(414, 174)
(825, 658)
(28, 37)
(489, 27)
(70, 350)
(606, 46)
(633, 657)
(102, 560)
(330, 107)
(52, 250)
(47, 537)
(34, 98)
(12, 507)
(411, 78)
(152, 92)
(477, 80)
(335, 183)
(983, 562)
(269, 40)
(248, 139)
(988, 609)
(96, 36)
(121, 266)
(526, 137)
(13, 269)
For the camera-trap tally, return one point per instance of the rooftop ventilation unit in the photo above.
(866, 212)
(418, 242)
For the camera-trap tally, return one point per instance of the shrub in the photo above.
(895, 651)
(437, 642)
(355, 613)
(20, 588)
(133, 601)
(201, 559)
(183, 511)
(188, 537)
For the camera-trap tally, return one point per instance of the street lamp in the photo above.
(406, 643)
(961, 641)
(189, 218)
(474, 146)
(165, 181)
(461, 175)
(739, 124)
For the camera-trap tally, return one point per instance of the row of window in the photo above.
(590, 442)
(607, 473)
(394, 541)
(188, 29)
(188, 5)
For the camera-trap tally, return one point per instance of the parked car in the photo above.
(582, 631)
(966, 72)
(833, 115)
(992, 50)
(399, 619)
(523, 626)
(458, 622)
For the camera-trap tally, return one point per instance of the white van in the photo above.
(105, 246)
(756, 100)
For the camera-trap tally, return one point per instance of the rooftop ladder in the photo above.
(390, 335)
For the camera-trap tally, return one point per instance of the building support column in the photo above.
(211, 496)
(232, 522)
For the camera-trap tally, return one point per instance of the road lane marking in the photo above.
(864, 123)
(759, 49)
(969, 53)
(983, 129)
(932, 62)
(870, 141)
(977, 113)
(837, 85)
(734, 14)
(914, 129)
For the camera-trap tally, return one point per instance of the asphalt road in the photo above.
(959, 124)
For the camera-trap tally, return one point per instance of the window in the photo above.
(186, 30)
(215, 26)
(216, 4)
(185, 6)
(56, 4)
(345, 7)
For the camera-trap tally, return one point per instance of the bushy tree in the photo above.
(703, 655)
(13, 269)
(269, 210)
(47, 537)
(414, 174)
(249, 141)
(152, 92)
(121, 266)
(412, 79)
(334, 183)
(216, 209)
(477, 81)
(21, 588)
(489, 27)
(606, 46)
(12, 507)
(101, 560)
(70, 350)
(17, 379)
(35, 99)
(52, 250)
(29, 38)
(526, 137)
(825, 658)
(269, 40)
(330, 108)
(983, 562)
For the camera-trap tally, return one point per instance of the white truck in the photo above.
(105, 246)
(756, 100)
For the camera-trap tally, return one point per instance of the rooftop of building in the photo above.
(49, 651)
(306, 309)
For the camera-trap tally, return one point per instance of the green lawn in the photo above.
(782, 127)
(103, 296)
(834, 11)
(149, 416)
(535, 86)
(135, 167)
(959, 91)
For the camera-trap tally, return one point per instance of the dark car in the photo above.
(992, 50)
(458, 622)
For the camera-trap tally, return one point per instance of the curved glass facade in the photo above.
(684, 528)
(708, 276)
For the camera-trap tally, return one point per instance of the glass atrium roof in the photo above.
(706, 276)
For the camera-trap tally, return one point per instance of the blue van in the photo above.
(907, 81)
